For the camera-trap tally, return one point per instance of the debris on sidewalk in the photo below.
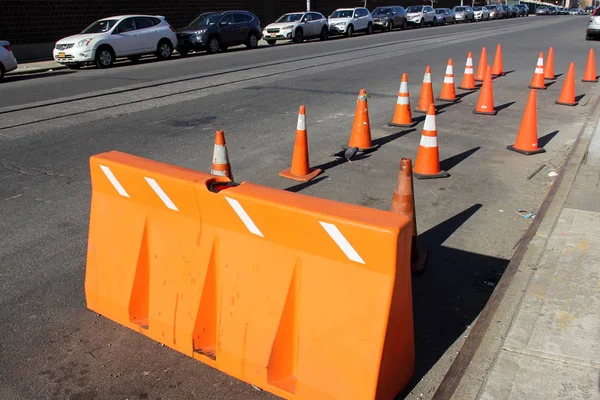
(553, 174)
(525, 214)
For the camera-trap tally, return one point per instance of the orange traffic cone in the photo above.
(426, 97)
(403, 203)
(567, 95)
(485, 104)
(402, 114)
(448, 91)
(538, 77)
(590, 69)
(482, 65)
(549, 66)
(427, 165)
(360, 137)
(300, 170)
(468, 81)
(220, 164)
(498, 66)
(527, 139)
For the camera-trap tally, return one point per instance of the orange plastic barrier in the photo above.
(304, 297)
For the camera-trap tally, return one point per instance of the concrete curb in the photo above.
(35, 70)
(469, 371)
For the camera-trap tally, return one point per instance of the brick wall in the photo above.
(25, 22)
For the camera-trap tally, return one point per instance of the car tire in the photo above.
(404, 25)
(298, 35)
(252, 42)
(350, 31)
(271, 42)
(1, 72)
(105, 57)
(214, 45)
(134, 59)
(390, 26)
(324, 33)
(588, 37)
(369, 28)
(422, 23)
(73, 66)
(164, 50)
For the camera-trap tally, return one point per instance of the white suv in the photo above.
(124, 36)
(297, 27)
(420, 16)
(346, 21)
(7, 59)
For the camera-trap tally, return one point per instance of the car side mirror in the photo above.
(304, 19)
(117, 31)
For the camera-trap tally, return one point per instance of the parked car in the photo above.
(105, 40)
(542, 10)
(502, 11)
(297, 27)
(493, 11)
(388, 18)
(523, 10)
(346, 21)
(481, 13)
(574, 11)
(420, 16)
(513, 12)
(217, 31)
(593, 28)
(464, 14)
(444, 16)
(8, 62)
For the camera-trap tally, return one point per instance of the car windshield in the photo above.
(101, 26)
(491, 7)
(342, 14)
(382, 10)
(477, 8)
(290, 17)
(459, 9)
(439, 10)
(414, 9)
(205, 20)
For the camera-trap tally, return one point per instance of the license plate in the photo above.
(273, 35)
(61, 55)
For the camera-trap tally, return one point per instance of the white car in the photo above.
(128, 36)
(297, 27)
(420, 16)
(346, 21)
(8, 62)
(481, 13)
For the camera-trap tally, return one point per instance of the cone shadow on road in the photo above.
(550, 83)
(465, 94)
(421, 118)
(386, 139)
(301, 186)
(504, 73)
(451, 293)
(544, 140)
(504, 106)
(453, 161)
(339, 160)
(557, 76)
(579, 97)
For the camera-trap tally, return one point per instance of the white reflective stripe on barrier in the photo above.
(161, 194)
(342, 242)
(114, 181)
(243, 215)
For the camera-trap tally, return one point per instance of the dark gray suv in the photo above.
(216, 31)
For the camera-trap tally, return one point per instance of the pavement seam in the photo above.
(552, 357)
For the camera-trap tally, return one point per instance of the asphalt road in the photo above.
(53, 347)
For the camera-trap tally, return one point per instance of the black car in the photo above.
(523, 10)
(388, 18)
(216, 31)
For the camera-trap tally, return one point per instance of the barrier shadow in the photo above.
(504, 106)
(544, 140)
(386, 139)
(453, 161)
(450, 294)
(301, 186)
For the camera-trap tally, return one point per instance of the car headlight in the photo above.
(199, 32)
(84, 42)
(287, 28)
(341, 23)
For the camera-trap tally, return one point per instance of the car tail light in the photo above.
(7, 47)
(171, 28)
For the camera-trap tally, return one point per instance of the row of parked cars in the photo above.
(552, 10)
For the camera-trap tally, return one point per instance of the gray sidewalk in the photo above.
(543, 341)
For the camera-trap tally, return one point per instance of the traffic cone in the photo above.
(567, 95)
(590, 69)
(427, 165)
(448, 92)
(527, 139)
(485, 104)
(403, 203)
(498, 66)
(300, 170)
(549, 66)
(482, 65)
(468, 81)
(402, 114)
(426, 97)
(538, 77)
(360, 137)
(220, 164)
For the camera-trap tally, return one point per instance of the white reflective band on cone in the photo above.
(403, 87)
(449, 70)
(429, 124)
(469, 71)
(220, 155)
(428, 141)
(448, 79)
(427, 78)
(301, 122)
(217, 172)
(402, 100)
(469, 62)
(539, 70)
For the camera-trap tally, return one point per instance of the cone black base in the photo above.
(550, 79)
(566, 104)
(466, 88)
(417, 267)
(584, 80)
(420, 111)
(497, 75)
(302, 178)
(537, 88)
(527, 153)
(414, 123)
(456, 100)
(485, 112)
(441, 174)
